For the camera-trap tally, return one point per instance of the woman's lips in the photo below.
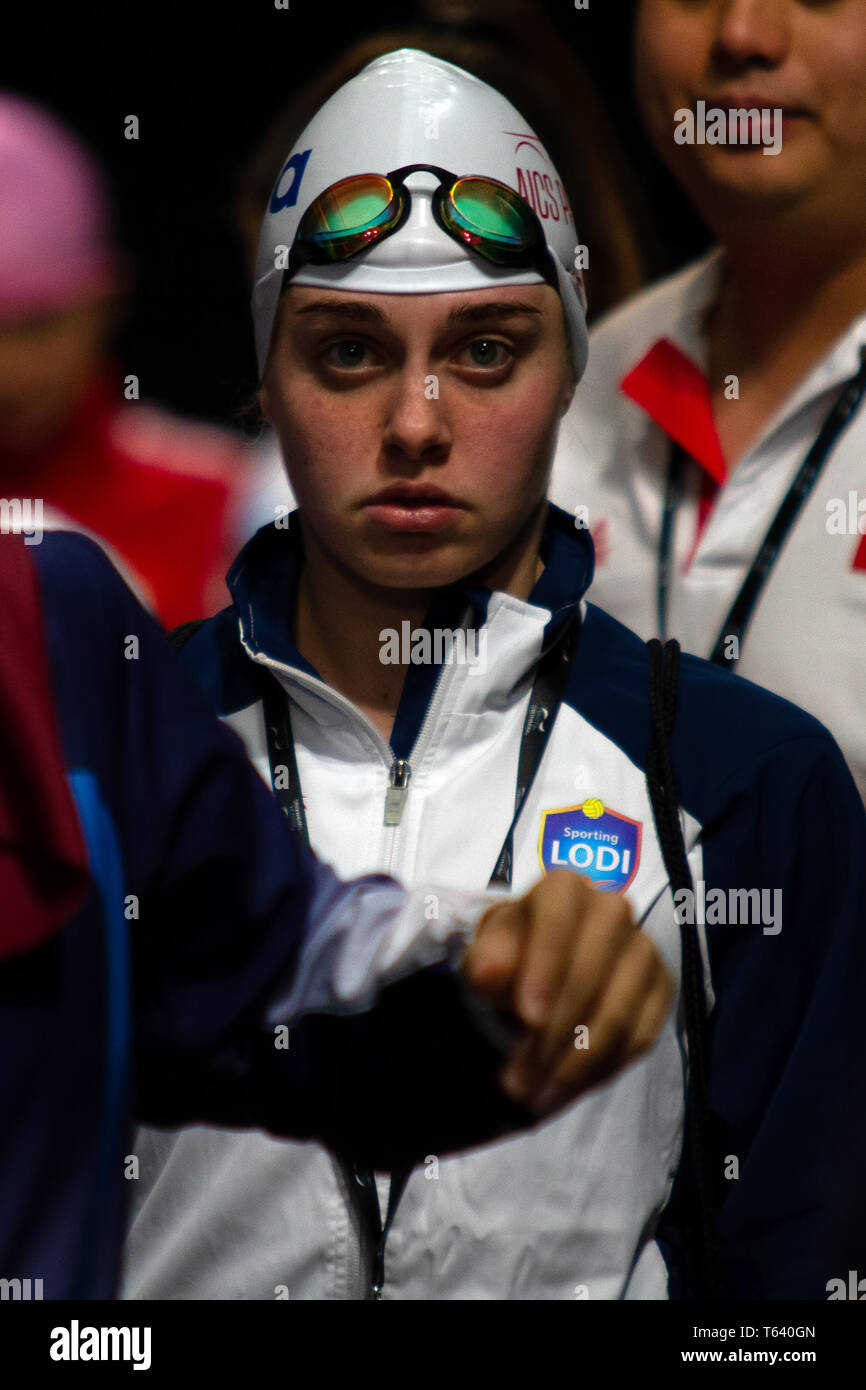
(427, 514)
(750, 102)
(789, 113)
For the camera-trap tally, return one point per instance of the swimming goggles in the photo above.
(480, 213)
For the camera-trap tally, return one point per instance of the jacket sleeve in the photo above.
(788, 1028)
(333, 1011)
(237, 932)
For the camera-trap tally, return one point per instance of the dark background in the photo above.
(205, 82)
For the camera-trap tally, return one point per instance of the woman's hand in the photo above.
(589, 988)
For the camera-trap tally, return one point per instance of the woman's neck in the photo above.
(777, 315)
(338, 618)
(773, 303)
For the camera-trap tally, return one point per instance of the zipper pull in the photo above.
(377, 1282)
(395, 796)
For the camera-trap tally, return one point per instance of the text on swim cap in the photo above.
(537, 190)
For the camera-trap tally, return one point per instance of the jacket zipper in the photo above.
(400, 772)
(395, 796)
(399, 769)
(395, 802)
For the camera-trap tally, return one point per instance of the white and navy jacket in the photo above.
(202, 974)
(591, 1204)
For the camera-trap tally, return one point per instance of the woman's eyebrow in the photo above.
(345, 309)
(352, 309)
(493, 310)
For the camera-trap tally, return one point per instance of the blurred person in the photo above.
(161, 928)
(717, 444)
(420, 332)
(156, 488)
(515, 48)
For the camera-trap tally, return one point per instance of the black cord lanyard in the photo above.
(740, 614)
(548, 689)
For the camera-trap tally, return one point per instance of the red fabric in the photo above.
(860, 556)
(158, 500)
(676, 395)
(43, 857)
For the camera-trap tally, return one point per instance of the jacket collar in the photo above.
(264, 577)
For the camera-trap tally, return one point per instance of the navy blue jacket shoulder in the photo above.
(150, 1004)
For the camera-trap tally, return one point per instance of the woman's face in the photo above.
(459, 391)
(46, 363)
(807, 57)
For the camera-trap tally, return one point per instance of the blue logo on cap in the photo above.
(289, 196)
(592, 840)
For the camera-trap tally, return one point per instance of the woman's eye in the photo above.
(349, 353)
(488, 352)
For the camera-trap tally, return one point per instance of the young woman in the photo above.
(168, 949)
(412, 665)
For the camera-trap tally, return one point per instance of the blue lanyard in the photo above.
(743, 607)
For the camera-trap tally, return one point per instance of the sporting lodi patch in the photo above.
(589, 838)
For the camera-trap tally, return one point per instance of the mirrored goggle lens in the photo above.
(492, 213)
(349, 215)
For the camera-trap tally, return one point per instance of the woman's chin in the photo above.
(415, 571)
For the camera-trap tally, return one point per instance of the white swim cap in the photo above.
(408, 107)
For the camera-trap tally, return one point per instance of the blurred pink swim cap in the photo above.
(55, 225)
